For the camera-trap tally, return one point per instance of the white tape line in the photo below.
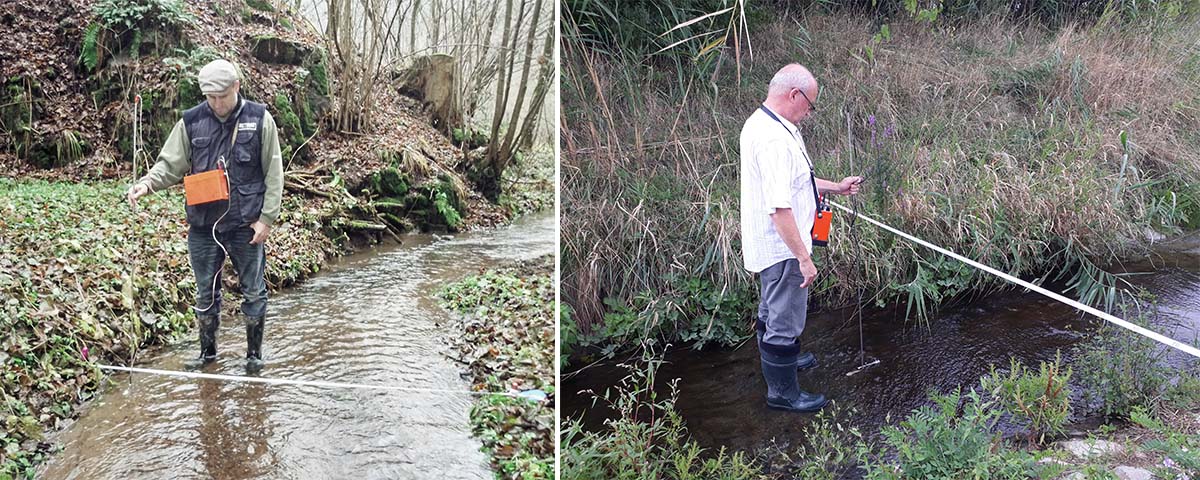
(311, 383)
(1176, 344)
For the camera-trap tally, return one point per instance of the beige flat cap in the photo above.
(217, 76)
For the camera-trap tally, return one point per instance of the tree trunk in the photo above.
(500, 162)
(489, 181)
(545, 81)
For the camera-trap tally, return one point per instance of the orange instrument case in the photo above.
(820, 231)
(205, 187)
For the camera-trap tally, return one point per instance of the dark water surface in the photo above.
(370, 318)
(722, 392)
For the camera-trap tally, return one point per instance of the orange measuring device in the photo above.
(205, 187)
(210, 186)
(820, 231)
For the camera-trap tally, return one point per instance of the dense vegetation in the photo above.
(1048, 150)
(1048, 139)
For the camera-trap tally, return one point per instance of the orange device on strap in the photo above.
(820, 231)
(205, 187)
(210, 186)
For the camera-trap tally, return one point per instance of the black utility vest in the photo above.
(210, 140)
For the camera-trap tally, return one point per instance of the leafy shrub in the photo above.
(1040, 400)
(691, 310)
(1119, 371)
(952, 440)
(131, 14)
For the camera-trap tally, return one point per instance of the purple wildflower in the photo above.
(889, 131)
(871, 120)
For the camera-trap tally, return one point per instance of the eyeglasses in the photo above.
(811, 107)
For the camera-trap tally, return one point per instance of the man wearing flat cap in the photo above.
(238, 136)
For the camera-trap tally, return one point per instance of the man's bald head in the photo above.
(792, 91)
(792, 76)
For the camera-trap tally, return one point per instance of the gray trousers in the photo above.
(782, 309)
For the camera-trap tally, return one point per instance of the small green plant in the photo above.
(442, 202)
(1040, 400)
(828, 450)
(568, 335)
(261, 5)
(89, 52)
(954, 439)
(1119, 371)
(1182, 451)
(883, 35)
(68, 147)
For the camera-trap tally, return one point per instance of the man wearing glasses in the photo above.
(779, 201)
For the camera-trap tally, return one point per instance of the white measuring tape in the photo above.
(531, 395)
(1158, 337)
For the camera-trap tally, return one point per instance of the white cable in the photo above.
(220, 266)
(310, 383)
(1183, 347)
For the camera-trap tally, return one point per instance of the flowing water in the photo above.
(721, 392)
(370, 318)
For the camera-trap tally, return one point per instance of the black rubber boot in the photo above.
(783, 389)
(208, 326)
(254, 337)
(805, 361)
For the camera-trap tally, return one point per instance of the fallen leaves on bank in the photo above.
(505, 338)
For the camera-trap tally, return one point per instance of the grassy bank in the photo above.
(507, 342)
(1045, 151)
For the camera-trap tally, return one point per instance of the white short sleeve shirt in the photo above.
(775, 173)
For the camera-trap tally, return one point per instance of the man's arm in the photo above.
(173, 163)
(848, 186)
(272, 165)
(785, 224)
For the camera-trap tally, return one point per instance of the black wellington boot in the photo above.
(804, 361)
(254, 337)
(783, 389)
(208, 341)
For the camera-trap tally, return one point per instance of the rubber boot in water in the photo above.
(208, 341)
(254, 337)
(804, 361)
(783, 389)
